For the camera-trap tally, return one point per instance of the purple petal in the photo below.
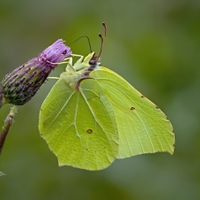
(20, 85)
(56, 53)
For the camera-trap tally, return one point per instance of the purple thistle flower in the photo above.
(21, 84)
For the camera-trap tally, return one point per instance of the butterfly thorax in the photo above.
(80, 71)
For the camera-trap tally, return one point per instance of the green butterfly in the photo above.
(92, 116)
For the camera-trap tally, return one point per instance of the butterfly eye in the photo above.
(64, 52)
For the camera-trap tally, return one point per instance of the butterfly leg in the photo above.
(53, 78)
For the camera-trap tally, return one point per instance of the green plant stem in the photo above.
(6, 126)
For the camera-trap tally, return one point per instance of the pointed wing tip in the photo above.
(170, 151)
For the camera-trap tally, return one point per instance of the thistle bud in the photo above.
(21, 84)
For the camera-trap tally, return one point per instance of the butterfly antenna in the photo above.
(102, 37)
(83, 36)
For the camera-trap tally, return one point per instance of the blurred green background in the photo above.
(155, 45)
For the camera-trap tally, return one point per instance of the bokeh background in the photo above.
(155, 45)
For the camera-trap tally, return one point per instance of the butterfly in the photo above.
(92, 116)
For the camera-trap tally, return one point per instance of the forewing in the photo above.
(142, 126)
(79, 125)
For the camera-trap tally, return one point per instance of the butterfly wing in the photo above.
(142, 126)
(79, 125)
